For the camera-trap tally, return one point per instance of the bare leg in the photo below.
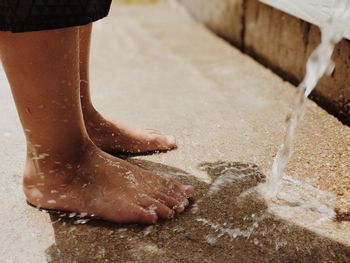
(64, 169)
(114, 136)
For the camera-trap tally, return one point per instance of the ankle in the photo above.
(89, 111)
(41, 162)
(94, 121)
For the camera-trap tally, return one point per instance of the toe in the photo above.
(157, 207)
(182, 201)
(170, 140)
(173, 185)
(185, 190)
(181, 206)
(133, 213)
(169, 201)
(177, 200)
(164, 142)
(188, 190)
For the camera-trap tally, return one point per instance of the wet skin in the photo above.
(113, 136)
(103, 186)
(65, 170)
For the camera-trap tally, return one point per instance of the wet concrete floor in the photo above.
(155, 66)
(220, 226)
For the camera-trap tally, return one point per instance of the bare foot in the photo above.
(100, 185)
(119, 138)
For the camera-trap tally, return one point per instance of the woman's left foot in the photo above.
(114, 137)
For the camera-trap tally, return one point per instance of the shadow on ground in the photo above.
(221, 226)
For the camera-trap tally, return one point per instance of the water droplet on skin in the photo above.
(180, 206)
(131, 178)
(152, 209)
(72, 215)
(83, 214)
(35, 192)
(81, 221)
(41, 156)
(53, 191)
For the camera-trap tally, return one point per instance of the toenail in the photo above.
(170, 140)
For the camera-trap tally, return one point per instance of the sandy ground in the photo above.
(155, 66)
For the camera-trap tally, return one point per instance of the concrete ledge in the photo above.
(220, 15)
(281, 42)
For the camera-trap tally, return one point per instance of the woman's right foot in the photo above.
(100, 185)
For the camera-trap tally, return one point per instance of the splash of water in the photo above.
(318, 64)
(222, 230)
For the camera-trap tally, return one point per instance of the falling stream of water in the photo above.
(318, 64)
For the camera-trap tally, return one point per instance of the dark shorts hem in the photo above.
(35, 15)
(21, 28)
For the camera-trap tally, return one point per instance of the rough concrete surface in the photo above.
(155, 66)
